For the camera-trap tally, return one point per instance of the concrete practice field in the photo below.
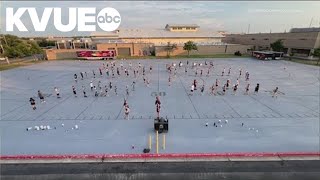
(288, 123)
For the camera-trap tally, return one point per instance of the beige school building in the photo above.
(146, 42)
(299, 41)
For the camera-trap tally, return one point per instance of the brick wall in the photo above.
(53, 54)
(204, 50)
(136, 49)
(142, 49)
(291, 40)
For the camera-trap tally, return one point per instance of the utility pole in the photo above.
(2, 49)
(7, 59)
(311, 22)
(5, 40)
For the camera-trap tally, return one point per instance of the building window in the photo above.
(188, 28)
(174, 28)
(303, 39)
(253, 39)
(266, 39)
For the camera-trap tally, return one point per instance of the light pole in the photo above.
(2, 49)
(85, 44)
(3, 37)
(5, 40)
(69, 44)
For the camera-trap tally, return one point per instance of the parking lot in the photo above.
(255, 122)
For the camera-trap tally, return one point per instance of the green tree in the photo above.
(291, 55)
(10, 40)
(11, 52)
(24, 49)
(34, 48)
(277, 46)
(170, 48)
(316, 53)
(189, 46)
(16, 47)
(45, 43)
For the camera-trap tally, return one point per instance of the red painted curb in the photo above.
(157, 156)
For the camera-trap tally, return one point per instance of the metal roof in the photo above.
(182, 25)
(199, 44)
(59, 39)
(157, 33)
(311, 29)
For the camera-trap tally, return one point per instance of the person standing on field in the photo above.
(74, 91)
(91, 86)
(75, 77)
(235, 88)
(33, 103)
(275, 92)
(84, 91)
(158, 106)
(256, 89)
(57, 92)
(224, 69)
(41, 97)
(247, 89)
(81, 74)
(126, 112)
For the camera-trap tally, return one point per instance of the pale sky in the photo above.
(231, 16)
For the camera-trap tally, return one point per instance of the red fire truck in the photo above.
(96, 54)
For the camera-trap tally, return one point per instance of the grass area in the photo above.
(211, 56)
(303, 61)
(171, 57)
(140, 57)
(184, 56)
(68, 59)
(18, 64)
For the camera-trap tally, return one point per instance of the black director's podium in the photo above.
(161, 124)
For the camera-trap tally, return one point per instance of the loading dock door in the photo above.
(124, 52)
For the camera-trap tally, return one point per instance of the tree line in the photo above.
(188, 46)
(14, 47)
